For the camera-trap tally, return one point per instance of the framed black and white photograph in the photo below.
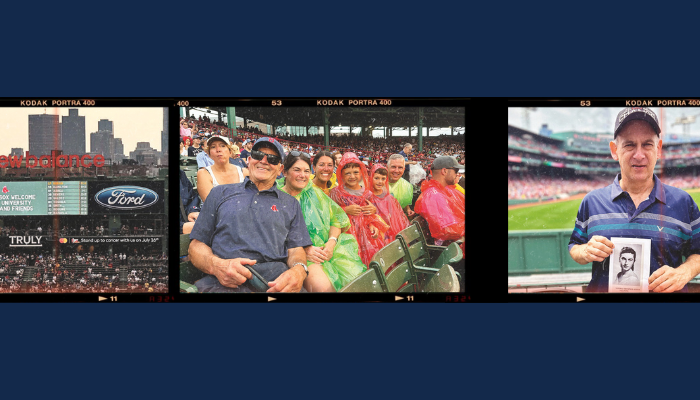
(629, 265)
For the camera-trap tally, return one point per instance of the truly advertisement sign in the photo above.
(26, 241)
(126, 197)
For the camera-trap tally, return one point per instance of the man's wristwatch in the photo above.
(306, 269)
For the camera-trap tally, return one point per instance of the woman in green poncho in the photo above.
(336, 252)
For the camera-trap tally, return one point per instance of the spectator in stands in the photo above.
(387, 206)
(185, 130)
(324, 177)
(336, 159)
(190, 204)
(399, 187)
(187, 142)
(407, 149)
(247, 146)
(334, 255)
(636, 200)
(442, 206)
(222, 172)
(352, 194)
(195, 149)
(252, 225)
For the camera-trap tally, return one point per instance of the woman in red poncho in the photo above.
(387, 206)
(353, 194)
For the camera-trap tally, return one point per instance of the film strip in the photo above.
(104, 228)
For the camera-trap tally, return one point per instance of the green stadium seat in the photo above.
(420, 257)
(367, 282)
(441, 277)
(394, 268)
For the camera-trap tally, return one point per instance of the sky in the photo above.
(596, 119)
(130, 124)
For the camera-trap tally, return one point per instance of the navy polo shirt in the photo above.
(237, 220)
(669, 217)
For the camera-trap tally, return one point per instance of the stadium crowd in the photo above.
(372, 150)
(528, 186)
(82, 272)
(360, 185)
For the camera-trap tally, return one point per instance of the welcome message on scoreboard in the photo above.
(44, 198)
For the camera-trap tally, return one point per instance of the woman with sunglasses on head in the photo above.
(324, 178)
(334, 258)
(353, 194)
(222, 171)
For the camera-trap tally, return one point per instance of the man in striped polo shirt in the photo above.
(638, 205)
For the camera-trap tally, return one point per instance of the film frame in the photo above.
(560, 292)
(174, 106)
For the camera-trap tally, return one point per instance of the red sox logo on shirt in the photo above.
(274, 208)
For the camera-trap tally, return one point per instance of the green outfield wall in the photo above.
(541, 251)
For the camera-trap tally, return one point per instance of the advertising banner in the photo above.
(126, 197)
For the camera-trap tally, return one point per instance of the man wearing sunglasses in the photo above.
(252, 224)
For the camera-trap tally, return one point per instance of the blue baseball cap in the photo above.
(631, 113)
(272, 143)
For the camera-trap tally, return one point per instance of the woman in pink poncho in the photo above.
(353, 194)
(387, 206)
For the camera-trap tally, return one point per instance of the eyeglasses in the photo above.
(271, 158)
(299, 153)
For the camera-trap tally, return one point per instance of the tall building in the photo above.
(105, 125)
(144, 154)
(118, 151)
(73, 131)
(102, 142)
(164, 133)
(44, 134)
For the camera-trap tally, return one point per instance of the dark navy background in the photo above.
(472, 351)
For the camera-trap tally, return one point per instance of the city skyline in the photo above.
(132, 125)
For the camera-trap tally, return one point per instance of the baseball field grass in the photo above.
(560, 215)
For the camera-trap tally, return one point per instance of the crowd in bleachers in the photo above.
(526, 186)
(530, 186)
(83, 272)
(91, 228)
(368, 149)
(540, 183)
(536, 145)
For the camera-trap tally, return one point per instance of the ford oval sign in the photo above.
(126, 197)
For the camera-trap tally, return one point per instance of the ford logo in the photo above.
(126, 197)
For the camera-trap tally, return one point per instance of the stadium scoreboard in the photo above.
(44, 198)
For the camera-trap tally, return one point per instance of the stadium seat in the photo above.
(367, 282)
(442, 276)
(443, 280)
(394, 268)
(188, 272)
(419, 253)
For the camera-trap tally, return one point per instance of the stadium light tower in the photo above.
(526, 116)
(685, 121)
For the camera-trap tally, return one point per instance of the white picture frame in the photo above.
(629, 266)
